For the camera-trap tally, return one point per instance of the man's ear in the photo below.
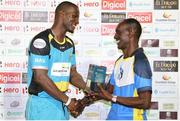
(61, 13)
(132, 32)
(126, 36)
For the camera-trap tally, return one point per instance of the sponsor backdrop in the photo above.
(20, 20)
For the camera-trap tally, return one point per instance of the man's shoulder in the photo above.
(40, 44)
(140, 57)
(42, 35)
(141, 64)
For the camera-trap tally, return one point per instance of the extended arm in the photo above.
(76, 79)
(142, 101)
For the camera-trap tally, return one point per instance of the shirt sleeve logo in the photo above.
(39, 43)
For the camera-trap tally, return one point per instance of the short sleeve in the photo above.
(39, 54)
(143, 74)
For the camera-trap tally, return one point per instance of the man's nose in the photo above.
(77, 21)
(115, 36)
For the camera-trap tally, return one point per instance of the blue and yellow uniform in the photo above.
(130, 76)
(45, 52)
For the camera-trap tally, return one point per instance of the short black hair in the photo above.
(135, 25)
(63, 6)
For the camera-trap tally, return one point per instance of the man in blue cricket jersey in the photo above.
(130, 84)
(51, 65)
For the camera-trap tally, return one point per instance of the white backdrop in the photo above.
(20, 20)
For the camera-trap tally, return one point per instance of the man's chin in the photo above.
(119, 47)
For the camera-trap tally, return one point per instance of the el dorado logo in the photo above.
(165, 4)
(165, 66)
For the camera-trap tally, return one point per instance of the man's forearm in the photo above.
(141, 102)
(133, 102)
(77, 81)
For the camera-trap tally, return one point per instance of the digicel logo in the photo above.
(10, 15)
(108, 29)
(142, 17)
(113, 4)
(9, 77)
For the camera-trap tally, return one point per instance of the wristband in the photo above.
(114, 98)
(68, 102)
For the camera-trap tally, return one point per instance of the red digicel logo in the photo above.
(142, 17)
(10, 15)
(108, 29)
(113, 4)
(9, 78)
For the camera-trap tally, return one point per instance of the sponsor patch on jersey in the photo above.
(39, 43)
(123, 72)
(61, 69)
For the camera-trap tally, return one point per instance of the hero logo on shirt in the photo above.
(39, 43)
(61, 69)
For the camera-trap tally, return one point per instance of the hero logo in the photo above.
(142, 17)
(108, 29)
(12, 2)
(34, 28)
(14, 65)
(10, 15)
(113, 4)
(88, 29)
(14, 90)
(9, 90)
(10, 28)
(9, 78)
(88, 4)
(35, 3)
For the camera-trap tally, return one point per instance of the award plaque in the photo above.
(96, 76)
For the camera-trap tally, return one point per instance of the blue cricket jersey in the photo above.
(47, 53)
(130, 76)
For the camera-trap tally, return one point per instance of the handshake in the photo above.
(76, 107)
